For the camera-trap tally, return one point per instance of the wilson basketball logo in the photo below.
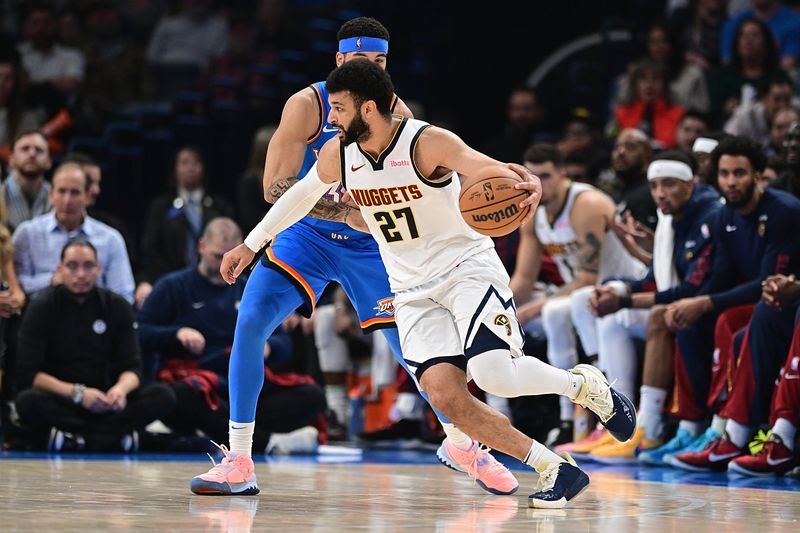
(385, 307)
(510, 211)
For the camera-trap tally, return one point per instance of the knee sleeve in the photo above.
(557, 323)
(496, 372)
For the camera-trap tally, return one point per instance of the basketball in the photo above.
(491, 205)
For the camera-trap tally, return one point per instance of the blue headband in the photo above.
(363, 44)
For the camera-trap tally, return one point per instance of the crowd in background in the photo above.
(124, 128)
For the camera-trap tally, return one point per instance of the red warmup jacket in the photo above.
(665, 119)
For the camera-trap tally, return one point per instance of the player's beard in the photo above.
(747, 195)
(357, 131)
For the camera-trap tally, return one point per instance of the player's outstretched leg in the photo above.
(234, 475)
(615, 411)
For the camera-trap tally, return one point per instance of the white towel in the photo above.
(663, 247)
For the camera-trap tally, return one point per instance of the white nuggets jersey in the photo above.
(560, 243)
(416, 222)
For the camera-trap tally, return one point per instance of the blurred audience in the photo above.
(25, 190)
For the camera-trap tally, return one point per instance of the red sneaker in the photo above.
(774, 459)
(714, 458)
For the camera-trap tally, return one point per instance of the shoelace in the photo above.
(759, 442)
(598, 398)
(472, 467)
(226, 453)
(547, 477)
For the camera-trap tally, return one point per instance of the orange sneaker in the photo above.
(234, 475)
(488, 472)
(583, 448)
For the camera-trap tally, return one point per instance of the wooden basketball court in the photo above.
(310, 494)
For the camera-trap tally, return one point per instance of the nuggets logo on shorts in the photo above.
(502, 320)
(385, 307)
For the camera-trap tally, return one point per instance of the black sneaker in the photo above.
(130, 442)
(62, 441)
(558, 484)
(405, 432)
(561, 434)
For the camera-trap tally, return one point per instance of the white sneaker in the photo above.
(303, 440)
(615, 411)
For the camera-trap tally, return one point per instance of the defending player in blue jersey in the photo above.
(302, 261)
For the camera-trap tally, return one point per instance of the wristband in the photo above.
(625, 302)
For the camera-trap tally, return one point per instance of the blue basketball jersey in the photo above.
(324, 133)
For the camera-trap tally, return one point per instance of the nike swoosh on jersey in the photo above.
(198, 305)
(354, 168)
(713, 457)
(730, 228)
(329, 129)
(791, 376)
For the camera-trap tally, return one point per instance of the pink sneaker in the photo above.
(235, 475)
(481, 466)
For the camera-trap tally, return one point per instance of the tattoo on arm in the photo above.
(324, 209)
(589, 254)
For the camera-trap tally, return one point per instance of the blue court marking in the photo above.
(428, 457)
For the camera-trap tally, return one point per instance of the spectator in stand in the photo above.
(524, 117)
(175, 221)
(627, 183)
(95, 176)
(772, 170)
(691, 126)
(777, 132)
(685, 81)
(55, 71)
(789, 178)
(702, 148)
(79, 363)
(755, 120)
(251, 206)
(751, 242)
(38, 241)
(753, 61)
(188, 320)
(15, 116)
(12, 297)
(194, 36)
(628, 309)
(115, 67)
(698, 27)
(650, 108)
(25, 190)
(778, 454)
(784, 26)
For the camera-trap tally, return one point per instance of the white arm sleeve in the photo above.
(293, 205)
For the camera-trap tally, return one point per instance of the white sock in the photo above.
(336, 396)
(651, 405)
(461, 440)
(576, 382)
(240, 437)
(718, 424)
(738, 433)
(786, 431)
(694, 428)
(539, 457)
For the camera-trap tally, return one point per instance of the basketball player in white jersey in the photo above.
(573, 226)
(454, 310)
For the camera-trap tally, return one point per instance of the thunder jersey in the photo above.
(416, 222)
(324, 133)
(559, 241)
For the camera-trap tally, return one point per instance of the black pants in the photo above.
(279, 410)
(41, 411)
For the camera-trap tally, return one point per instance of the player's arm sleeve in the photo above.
(293, 205)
